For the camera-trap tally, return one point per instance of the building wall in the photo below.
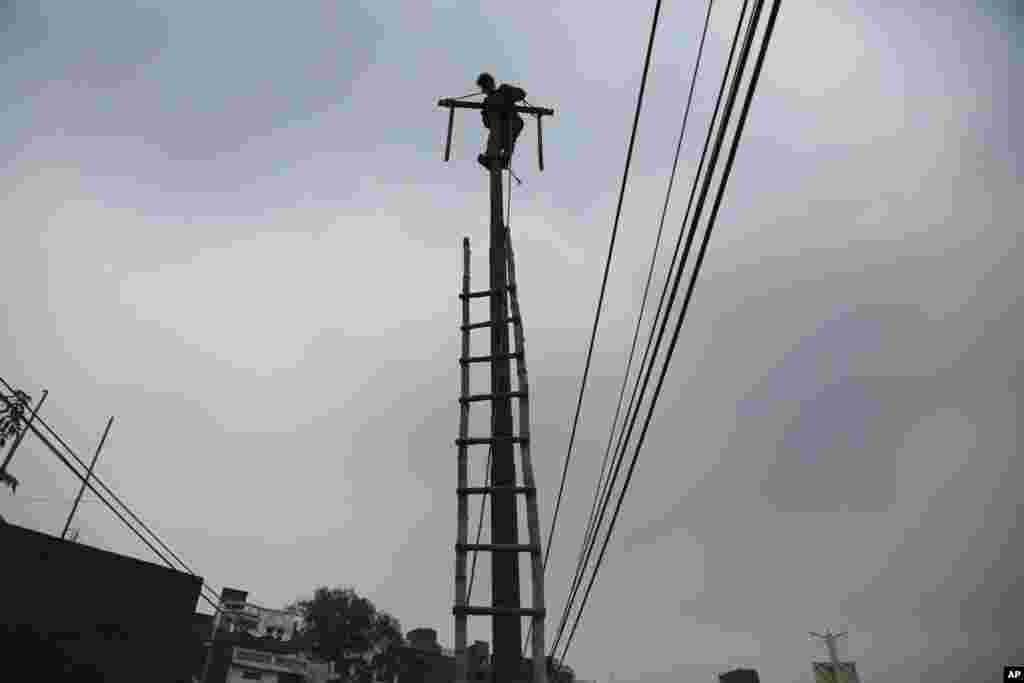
(241, 675)
(740, 676)
(425, 667)
(424, 661)
(824, 671)
(240, 615)
(280, 662)
(108, 619)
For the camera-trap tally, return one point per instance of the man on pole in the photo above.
(499, 116)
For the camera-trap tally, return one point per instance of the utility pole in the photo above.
(88, 475)
(507, 632)
(829, 639)
(505, 611)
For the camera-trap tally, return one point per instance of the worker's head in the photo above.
(486, 82)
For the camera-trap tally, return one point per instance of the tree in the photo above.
(348, 630)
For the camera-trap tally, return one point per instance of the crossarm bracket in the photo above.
(539, 112)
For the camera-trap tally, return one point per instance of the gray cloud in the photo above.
(235, 233)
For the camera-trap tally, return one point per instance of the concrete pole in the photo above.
(506, 629)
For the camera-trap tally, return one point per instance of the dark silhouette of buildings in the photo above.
(246, 641)
(740, 676)
(73, 612)
(423, 660)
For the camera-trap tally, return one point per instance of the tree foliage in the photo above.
(12, 413)
(350, 631)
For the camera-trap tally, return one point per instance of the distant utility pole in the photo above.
(505, 611)
(829, 639)
(88, 475)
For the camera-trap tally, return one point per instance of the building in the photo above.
(824, 672)
(74, 612)
(423, 660)
(740, 676)
(239, 615)
(253, 643)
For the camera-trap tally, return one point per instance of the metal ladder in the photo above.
(462, 609)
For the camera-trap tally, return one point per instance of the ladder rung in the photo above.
(490, 397)
(498, 611)
(488, 323)
(515, 355)
(479, 441)
(486, 292)
(474, 490)
(531, 548)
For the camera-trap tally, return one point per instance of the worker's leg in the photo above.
(517, 128)
(492, 150)
(494, 141)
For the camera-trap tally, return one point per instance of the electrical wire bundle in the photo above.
(30, 425)
(609, 476)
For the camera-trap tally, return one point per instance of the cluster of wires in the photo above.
(48, 436)
(706, 171)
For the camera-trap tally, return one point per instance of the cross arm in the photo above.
(456, 104)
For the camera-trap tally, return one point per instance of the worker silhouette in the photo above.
(500, 117)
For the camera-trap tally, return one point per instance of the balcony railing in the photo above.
(268, 660)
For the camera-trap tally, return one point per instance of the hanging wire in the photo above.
(635, 406)
(96, 479)
(716, 205)
(598, 490)
(634, 402)
(604, 283)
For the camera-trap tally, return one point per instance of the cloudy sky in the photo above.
(229, 226)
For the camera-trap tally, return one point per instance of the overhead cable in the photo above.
(716, 206)
(604, 283)
(634, 405)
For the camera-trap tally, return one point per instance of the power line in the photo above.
(604, 282)
(598, 490)
(43, 499)
(634, 404)
(99, 481)
(624, 438)
(89, 485)
(700, 256)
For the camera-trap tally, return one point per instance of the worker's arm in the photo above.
(514, 94)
